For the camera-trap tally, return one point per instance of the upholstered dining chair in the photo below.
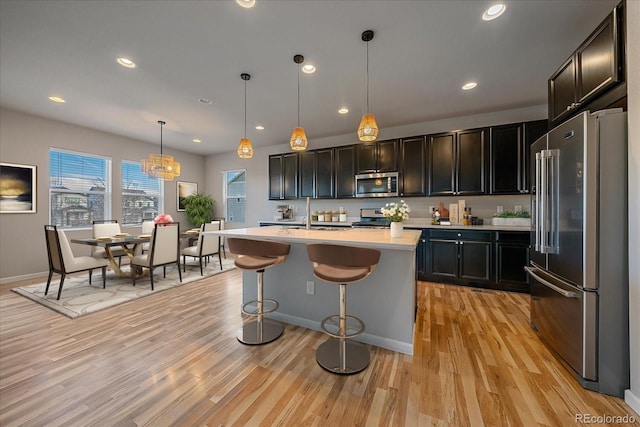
(147, 228)
(222, 246)
(107, 228)
(164, 249)
(62, 261)
(206, 246)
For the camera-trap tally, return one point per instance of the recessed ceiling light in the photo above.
(57, 99)
(197, 141)
(126, 62)
(260, 127)
(246, 3)
(494, 11)
(205, 101)
(470, 85)
(308, 68)
(343, 110)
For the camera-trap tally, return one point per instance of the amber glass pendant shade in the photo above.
(298, 140)
(245, 150)
(368, 129)
(160, 166)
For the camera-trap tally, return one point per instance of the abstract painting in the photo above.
(17, 188)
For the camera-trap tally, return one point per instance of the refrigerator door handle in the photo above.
(542, 207)
(550, 285)
(554, 192)
(537, 207)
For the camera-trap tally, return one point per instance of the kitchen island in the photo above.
(385, 301)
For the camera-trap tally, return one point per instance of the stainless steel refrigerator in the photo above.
(579, 257)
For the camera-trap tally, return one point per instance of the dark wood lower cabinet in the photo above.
(484, 259)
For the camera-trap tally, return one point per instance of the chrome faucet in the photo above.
(307, 223)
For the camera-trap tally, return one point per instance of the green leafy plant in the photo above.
(507, 214)
(199, 208)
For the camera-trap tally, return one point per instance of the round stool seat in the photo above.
(248, 262)
(335, 274)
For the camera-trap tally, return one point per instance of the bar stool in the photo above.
(258, 255)
(342, 265)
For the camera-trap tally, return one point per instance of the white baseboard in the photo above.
(632, 400)
(23, 277)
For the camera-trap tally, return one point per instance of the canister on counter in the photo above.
(321, 216)
(343, 216)
(314, 216)
(335, 216)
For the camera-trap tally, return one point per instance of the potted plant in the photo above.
(199, 208)
(396, 213)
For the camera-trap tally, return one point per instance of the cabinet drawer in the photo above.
(481, 236)
(513, 237)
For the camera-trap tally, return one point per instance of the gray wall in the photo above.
(632, 396)
(260, 208)
(25, 139)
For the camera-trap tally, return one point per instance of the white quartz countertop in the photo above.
(377, 238)
(426, 223)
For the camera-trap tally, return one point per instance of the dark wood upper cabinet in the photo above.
(379, 156)
(325, 167)
(308, 171)
(442, 167)
(592, 70)
(345, 163)
(457, 163)
(532, 132)
(413, 167)
(283, 176)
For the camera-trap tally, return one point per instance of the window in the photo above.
(79, 188)
(235, 195)
(142, 196)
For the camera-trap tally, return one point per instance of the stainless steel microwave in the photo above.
(377, 184)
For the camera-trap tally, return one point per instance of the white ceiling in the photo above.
(422, 53)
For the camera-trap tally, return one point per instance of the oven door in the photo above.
(377, 185)
(565, 318)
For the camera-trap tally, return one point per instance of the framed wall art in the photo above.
(185, 189)
(17, 188)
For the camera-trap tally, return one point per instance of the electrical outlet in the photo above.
(500, 209)
(518, 208)
(431, 208)
(311, 287)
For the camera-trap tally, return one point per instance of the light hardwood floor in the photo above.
(173, 359)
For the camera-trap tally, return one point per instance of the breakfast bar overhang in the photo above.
(385, 301)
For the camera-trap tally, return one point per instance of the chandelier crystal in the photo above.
(160, 166)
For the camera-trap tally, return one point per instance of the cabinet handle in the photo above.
(459, 235)
(461, 243)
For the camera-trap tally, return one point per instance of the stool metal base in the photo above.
(260, 332)
(342, 356)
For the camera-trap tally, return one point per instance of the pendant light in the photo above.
(298, 140)
(161, 166)
(368, 129)
(245, 150)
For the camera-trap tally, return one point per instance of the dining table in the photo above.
(129, 243)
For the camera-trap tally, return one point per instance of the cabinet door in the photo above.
(532, 132)
(562, 90)
(471, 155)
(324, 174)
(506, 159)
(597, 60)
(275, 177)
(441, 164)
(421, 257)
(290, 174)
(475, 261)
(412, 167)
(511, 258)
(443, 259)
(307, 174)
(367, 158)
(387, 156)
(345, 171)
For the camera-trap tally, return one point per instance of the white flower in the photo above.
(396, 212)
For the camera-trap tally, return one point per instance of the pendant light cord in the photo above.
(367, 77)
(245, 109)
(298, 95)
(161, 139)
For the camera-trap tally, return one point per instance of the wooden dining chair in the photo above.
(107, 228)
(205, 247)
(164, 249)
(63, 262)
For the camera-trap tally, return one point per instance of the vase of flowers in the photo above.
(163, 219)
(397, 214)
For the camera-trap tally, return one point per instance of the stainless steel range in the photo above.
(371, 218)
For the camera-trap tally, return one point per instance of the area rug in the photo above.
(80, 298)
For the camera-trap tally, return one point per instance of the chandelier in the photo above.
(245, 150)
(161, 166)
